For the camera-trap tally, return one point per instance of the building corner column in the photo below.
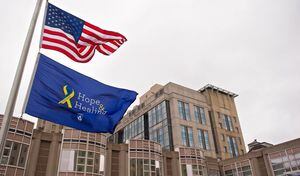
(54, 153)
(33, 153)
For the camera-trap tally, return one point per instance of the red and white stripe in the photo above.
(92, 37)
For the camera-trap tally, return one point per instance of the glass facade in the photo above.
(158, 125)
(242, 168)
(187, 138)
(157, 114)
(203, 139)
(232, 146)
(285, 161)
(200, 115)
(134, 130)
(184, 110)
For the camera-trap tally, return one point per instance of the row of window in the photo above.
(184, 113)
(81, 161)
(19, 131)
(145, 167)
(157, 123)
(196, 170)
(242, 168)
(187, 138)
(157, 114)
(285, 161)
(242, 171)
(134, 128)
(14, 153)
(160, 134)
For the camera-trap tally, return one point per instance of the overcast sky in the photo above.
(248, 47)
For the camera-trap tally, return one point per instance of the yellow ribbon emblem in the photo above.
(68, 97)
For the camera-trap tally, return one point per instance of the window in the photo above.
(246, 171)
(14, 154)
(80, 168)
(139, 166)
(6, 152)
(184, 138)
(8, 144)
(200, 115)
(197, 169)
(242, 168)
(134, 128)
(81, 153)
(90, 162)
(230, 172)
(144, 167)
(96, 163)
(187, 136)
(285, 161)
(183, 170)
(157, 114)
(184, 110)
(23, 155)
(160, 134)
(203, 139)
(227, 122)
(158, 125)
(81, 161)
(187, 169)
(132, 167)
(232, 146)
(191, 138)
(152, 117)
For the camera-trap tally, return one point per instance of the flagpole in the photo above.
(18, 76)
(36, 63)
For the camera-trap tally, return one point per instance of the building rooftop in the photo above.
(212, 87)
(255, 145)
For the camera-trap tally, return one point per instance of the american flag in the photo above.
(76, 38)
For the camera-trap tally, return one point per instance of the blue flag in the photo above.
(64, 96)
